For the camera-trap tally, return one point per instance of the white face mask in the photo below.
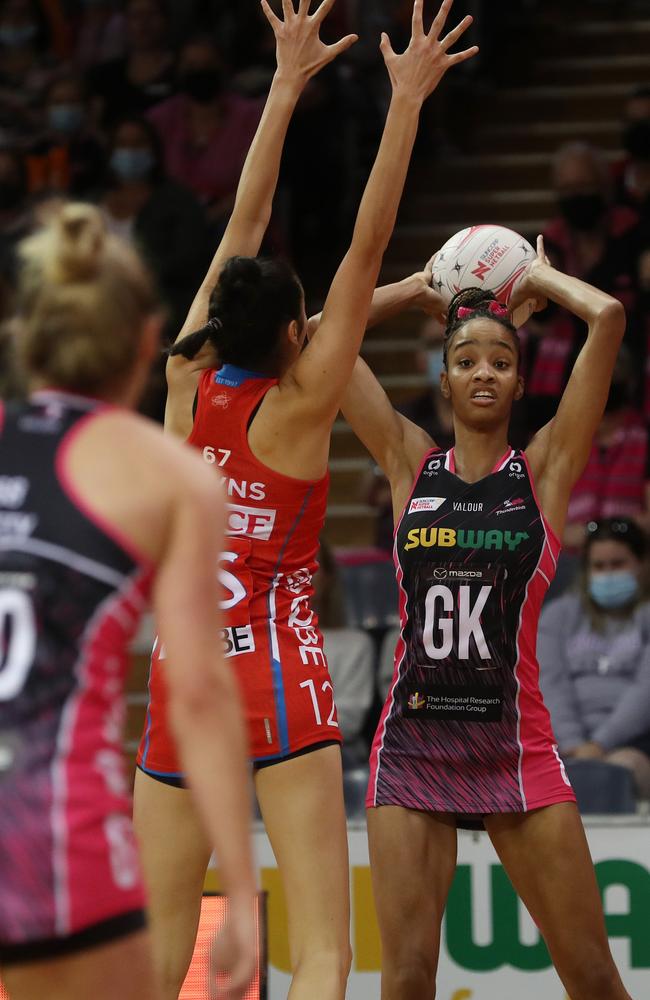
(435, 364)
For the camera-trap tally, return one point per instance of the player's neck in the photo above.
(477, 452)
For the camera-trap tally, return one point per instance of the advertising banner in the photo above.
(491, 949)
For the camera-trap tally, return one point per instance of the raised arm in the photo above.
(319, 377)
(300, 55)
(559, 452)
(396, 443)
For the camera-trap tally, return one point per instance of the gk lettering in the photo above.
(438, 633)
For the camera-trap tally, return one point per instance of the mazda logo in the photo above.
(440, 573)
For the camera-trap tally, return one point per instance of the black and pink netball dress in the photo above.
(464, 729)
(71, 594)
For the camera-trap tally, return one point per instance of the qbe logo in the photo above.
(425, 503)
(250, 522)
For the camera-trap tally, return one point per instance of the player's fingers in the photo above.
(460, 57)
(303, 7)
(453, 36)
(541, 252)
(321, 12)
(274, 21)
(288, 9)
(440, 18)
(417, 19)
(386, 47)
(335, 50)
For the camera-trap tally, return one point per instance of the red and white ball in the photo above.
(488, 257)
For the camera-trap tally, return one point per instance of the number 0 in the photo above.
(16, 619)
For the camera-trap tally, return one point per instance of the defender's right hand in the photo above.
(300, 53)
(419, 69)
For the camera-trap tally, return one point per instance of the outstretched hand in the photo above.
(419, 69)
(300, 53)
(527, 290)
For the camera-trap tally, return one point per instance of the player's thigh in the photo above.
(412, 861)
(301, 801)
(175, 852)
(546, 856)
(121, 969)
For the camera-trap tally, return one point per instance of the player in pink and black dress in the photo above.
(464, 737)
(98, 513)
(263, 419)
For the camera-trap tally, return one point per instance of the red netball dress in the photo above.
(270, 630)
(71, 595)
(464, 729)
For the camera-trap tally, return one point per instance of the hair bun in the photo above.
(468, 298)
(243, 273)
(81, 236)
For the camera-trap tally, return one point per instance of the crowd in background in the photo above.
(148, 107)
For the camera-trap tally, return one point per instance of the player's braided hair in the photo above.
(475, 303)
(250, 303)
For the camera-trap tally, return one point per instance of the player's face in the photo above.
(482, 378)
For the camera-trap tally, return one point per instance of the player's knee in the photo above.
(331, 964)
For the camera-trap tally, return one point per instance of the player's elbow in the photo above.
(612, 319)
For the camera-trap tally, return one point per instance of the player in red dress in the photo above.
(464, 737)
(99, 511)
(263, 420)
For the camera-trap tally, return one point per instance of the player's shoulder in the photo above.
(137, 440)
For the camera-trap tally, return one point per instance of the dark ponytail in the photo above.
(475, 303)
(253, 299)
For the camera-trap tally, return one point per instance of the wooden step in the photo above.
(350, 530)
(548, 136)
(578, 36)
(496, 171)
(560, 103)
(502, 207)
(611, 68)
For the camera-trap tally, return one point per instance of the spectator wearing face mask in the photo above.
(594, 654)
(145, 75)
(161, 217)
(590, 238)
(69, 156)
(205, 129)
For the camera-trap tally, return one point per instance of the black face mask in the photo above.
(10, 195)
(582, 211)
(202, 85)
(636, 139)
